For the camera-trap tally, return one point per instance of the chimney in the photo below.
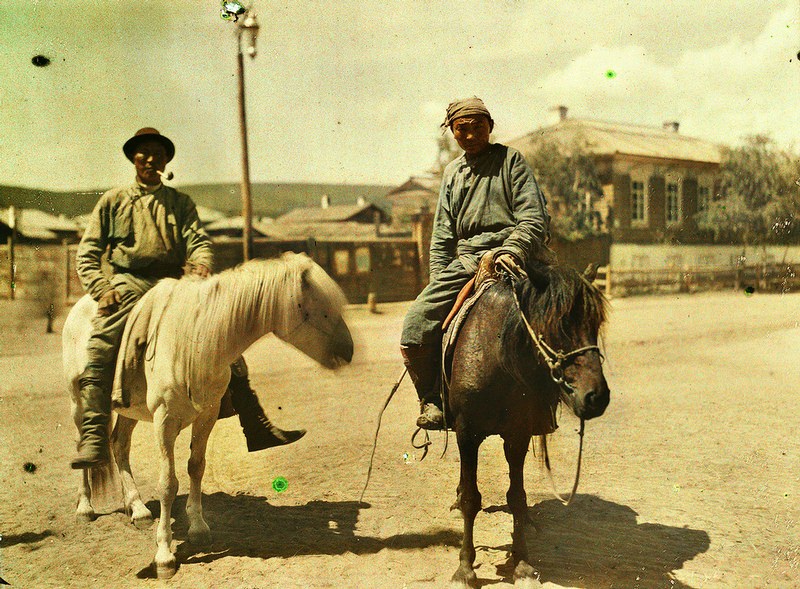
(671, 126)
(361, 201)
(562, 113)
(325, 201)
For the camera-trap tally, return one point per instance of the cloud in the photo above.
(722, 92)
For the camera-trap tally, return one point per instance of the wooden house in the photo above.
(654, 179)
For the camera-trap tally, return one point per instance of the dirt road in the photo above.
(691, 479)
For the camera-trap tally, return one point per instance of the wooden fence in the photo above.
(383, 270)
(376, 270)
(779, 278)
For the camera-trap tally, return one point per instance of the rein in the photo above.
(555, 361)
(568, 500)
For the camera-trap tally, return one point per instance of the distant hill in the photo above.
(269, 199)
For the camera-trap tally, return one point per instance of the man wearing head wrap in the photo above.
(488, 201)
(150, 231)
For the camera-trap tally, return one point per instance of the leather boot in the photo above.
(93, 448)
(422, 362)
(258, 429)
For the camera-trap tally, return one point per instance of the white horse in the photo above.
(186, 334)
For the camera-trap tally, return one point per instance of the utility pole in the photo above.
(247, 32)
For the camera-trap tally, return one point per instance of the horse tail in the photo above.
(105, 480)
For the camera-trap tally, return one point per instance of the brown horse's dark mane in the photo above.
(560, 304)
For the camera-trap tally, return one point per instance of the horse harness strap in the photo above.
(555, 360)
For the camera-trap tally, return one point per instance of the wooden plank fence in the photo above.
(780, 278)
(386, 270)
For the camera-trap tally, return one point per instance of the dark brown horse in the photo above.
(508, 378)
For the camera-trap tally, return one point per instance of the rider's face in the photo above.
(472, 133)
(150, 157)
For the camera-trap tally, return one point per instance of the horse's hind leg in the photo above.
(166, 430)
(470, 498)
(121, 440)
(84, 511)
(516, 448)
(199, 532)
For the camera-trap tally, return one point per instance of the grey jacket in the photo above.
(489, 201)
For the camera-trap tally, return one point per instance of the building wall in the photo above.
(655, 175)
(630, 256)
(388, 268)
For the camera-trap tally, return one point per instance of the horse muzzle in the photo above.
(342, 344)
(590, 404)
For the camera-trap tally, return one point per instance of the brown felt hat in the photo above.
(148, 134)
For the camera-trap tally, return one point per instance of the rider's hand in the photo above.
(200, 270)
(108, 303)
(508, 261)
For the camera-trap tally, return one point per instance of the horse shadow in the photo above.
(246, 525)
(595, 543)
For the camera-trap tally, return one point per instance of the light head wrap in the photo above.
(465, 108)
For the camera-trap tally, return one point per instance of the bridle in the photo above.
(555, 360)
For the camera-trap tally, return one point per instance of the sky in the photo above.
(351, 91)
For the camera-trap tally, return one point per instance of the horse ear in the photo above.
(591, 272)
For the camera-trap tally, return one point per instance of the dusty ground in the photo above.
(691, 479)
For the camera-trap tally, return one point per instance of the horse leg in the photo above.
(456, 506)
(516, 448)
(470, 506)
(199, 532)
(166, 429)
(121, 440)
(84, 511)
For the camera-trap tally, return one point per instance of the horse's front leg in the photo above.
(166, 430)
(516, 448)
(199, 532)
(470, 506)
(141, 517)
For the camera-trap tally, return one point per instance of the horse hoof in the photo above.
(525, 577)
(166, 570)
(200, 537)
(464, 579)
(85, 517)
(142, 522)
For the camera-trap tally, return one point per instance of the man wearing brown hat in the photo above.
(151, 231)
(488, 201)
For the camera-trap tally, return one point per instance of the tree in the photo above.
(571, 182)
(759, 199)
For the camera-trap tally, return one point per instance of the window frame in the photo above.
(678, 195)
(644, 208)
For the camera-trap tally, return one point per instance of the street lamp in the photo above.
(247, 35)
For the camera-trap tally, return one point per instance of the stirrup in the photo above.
(431, 418)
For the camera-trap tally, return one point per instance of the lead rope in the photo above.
(568, 500)
(378, 429)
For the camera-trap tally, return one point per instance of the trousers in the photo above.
(423, 321)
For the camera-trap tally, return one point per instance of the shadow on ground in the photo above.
(245, 525)
(597, 544)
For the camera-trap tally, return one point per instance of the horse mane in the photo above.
(254, 298)
(559, 303)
